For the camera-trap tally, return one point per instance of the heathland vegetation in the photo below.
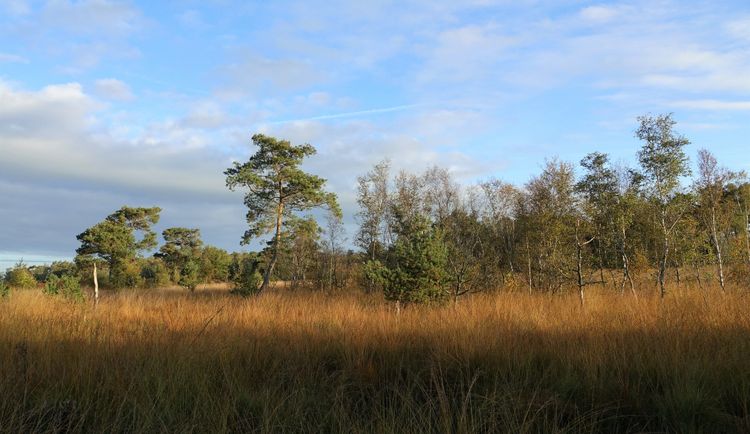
(614, 299)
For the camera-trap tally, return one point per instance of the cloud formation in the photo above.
(106, 102)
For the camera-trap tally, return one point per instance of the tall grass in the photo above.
(307, 362)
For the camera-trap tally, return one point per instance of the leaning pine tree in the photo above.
(277, 187)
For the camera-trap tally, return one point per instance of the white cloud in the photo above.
(114, 89)
(56, 133)
(712, 104)
(599, 14)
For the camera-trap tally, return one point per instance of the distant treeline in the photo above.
(425, 238)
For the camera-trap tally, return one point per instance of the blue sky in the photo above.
(106, 103)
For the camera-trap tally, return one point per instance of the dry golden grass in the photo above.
(169, 361)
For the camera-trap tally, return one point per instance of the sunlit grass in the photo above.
(301, 361)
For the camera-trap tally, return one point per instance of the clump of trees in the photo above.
(558, 230)
(424, 238)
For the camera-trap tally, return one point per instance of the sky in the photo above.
(142, 103)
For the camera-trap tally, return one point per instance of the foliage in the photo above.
(181, 253)
(20, 277)
(114, 241)
(154, 273)
(214, 264)
(189, 275)
(247, 277)
(4, 290)
(414, 269)
(67, 286)
(277, 187)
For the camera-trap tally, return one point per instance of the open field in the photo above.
(169, 361)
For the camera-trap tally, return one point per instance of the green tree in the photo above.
(181, 245)
(68, 286)
(20, 277)
(189, 275)
(714, 210)
(245, 274)
(548, 214)
(663, 163)
(740, 194)
(214, 264)
(114, 241)
(277, 187)
(414, 270)
(599, 189)
(372, 198)
(299, 249)
(154, 273)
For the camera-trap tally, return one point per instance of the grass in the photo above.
(167, 361)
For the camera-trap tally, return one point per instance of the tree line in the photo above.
(424, 238)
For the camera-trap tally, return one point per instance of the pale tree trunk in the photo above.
(717, 248)
(664, 256)
(579, 264)
(276, 241)
(528, 263)
(96, 286)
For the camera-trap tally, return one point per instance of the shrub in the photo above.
(20, 277)
(125, 274)
(154, 273)
(4, 290)
(414, 270)
(189, 275)
(248, 278)
(67, 286)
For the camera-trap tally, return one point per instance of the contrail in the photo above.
(397, 108)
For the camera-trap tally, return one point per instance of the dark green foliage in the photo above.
(189, 275)
(181, 253)
(277, 188)
(154, 273)
(66, 286)
(214, 264)
(415, 267)
(247, 278)
(114, 241)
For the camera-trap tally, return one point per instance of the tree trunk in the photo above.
(579, 268)
(96, 286)
(717, 248)
(663, 259)
(276, 240)
(528, 258)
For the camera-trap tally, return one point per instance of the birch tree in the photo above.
(663, 163)
(713, 212)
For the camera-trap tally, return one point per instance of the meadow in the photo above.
(169, 361)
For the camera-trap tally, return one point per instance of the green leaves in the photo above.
(114, 239)
(662, 156)
(277, 188)
(415, 266)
